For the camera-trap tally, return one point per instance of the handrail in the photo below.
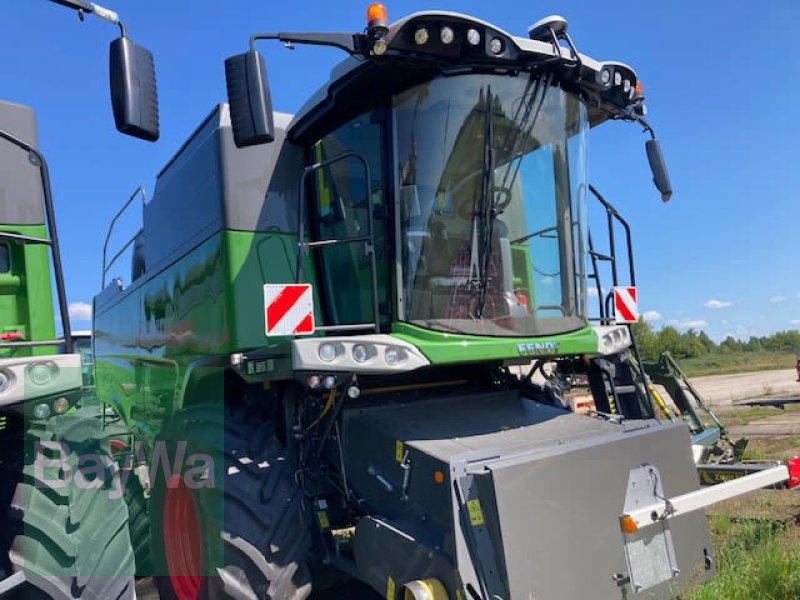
(369, 240)
(611, 257)
(106, 267)
(611, 216)
(37, 158)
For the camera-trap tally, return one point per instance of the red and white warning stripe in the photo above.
(289, 309)
(626, 309)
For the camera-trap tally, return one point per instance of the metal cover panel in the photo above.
(21, 196)
(558, 515)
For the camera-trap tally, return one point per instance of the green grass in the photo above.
(756, 561)
(726, 364)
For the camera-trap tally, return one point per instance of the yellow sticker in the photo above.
(323, 519)
(390, 591)
(458, 595)
(399, 451)
(475, 512)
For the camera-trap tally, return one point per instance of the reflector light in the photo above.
(639, 89)
(627, 524)
(438, 477)
(117, 445)
(793, 464)
(11, 336)
(377, 14)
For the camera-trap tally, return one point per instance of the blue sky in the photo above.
(722, 80)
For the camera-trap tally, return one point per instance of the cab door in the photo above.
(341, 201)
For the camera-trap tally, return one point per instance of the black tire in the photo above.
(254, 536)
(139, 525)
(70, 541)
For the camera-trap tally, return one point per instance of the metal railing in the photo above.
(612, 216)
(139, 191)
(58, 273)
(368, 240)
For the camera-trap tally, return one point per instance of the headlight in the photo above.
(41, 411)
(61, 406)
(473, 37)
(421, 36)
(446, 35)
(42, 373)
(328, 352)
(362, 353)
(5, 381)
(496, 46)
(394, 355)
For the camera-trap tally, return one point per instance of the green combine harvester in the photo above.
(316, 351)
(63, 522)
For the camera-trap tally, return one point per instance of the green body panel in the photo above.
(208, 303)
(211, 303)
(441, 348)
(253, 259)
(26, 297)
(147, 337)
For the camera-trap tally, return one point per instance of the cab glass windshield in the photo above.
(491, 181)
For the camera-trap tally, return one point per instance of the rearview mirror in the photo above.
(659, 169)
(134, 96)
(249, 99)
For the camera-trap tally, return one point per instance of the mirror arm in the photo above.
(350, 43)
(645, 125)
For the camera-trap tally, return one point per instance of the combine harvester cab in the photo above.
(323, 344)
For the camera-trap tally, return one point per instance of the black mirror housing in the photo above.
(134, 95)
(249, 99)
(659, 169)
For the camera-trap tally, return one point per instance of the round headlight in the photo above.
(329, 382)
(327, 352)
(421, 36)
(314, 381)
(41, 411)
(353, 392)
(42, 373)
(605, 76)
(5, 381)
(61, 406)
(473, 37)
(496, 46)
(379, 47)
(626, 85)
(394, 355)
(446, 35)
(617, 78)
(361, 353)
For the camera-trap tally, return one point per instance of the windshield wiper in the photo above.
(482, 220)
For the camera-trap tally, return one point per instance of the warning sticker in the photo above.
(398, 451)
(626, 309)
(475, 512)
(288, 309)
(324, 522)
(390, 589)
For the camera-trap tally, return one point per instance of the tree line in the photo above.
(691, 343)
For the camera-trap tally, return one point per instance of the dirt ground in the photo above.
(727, 390)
